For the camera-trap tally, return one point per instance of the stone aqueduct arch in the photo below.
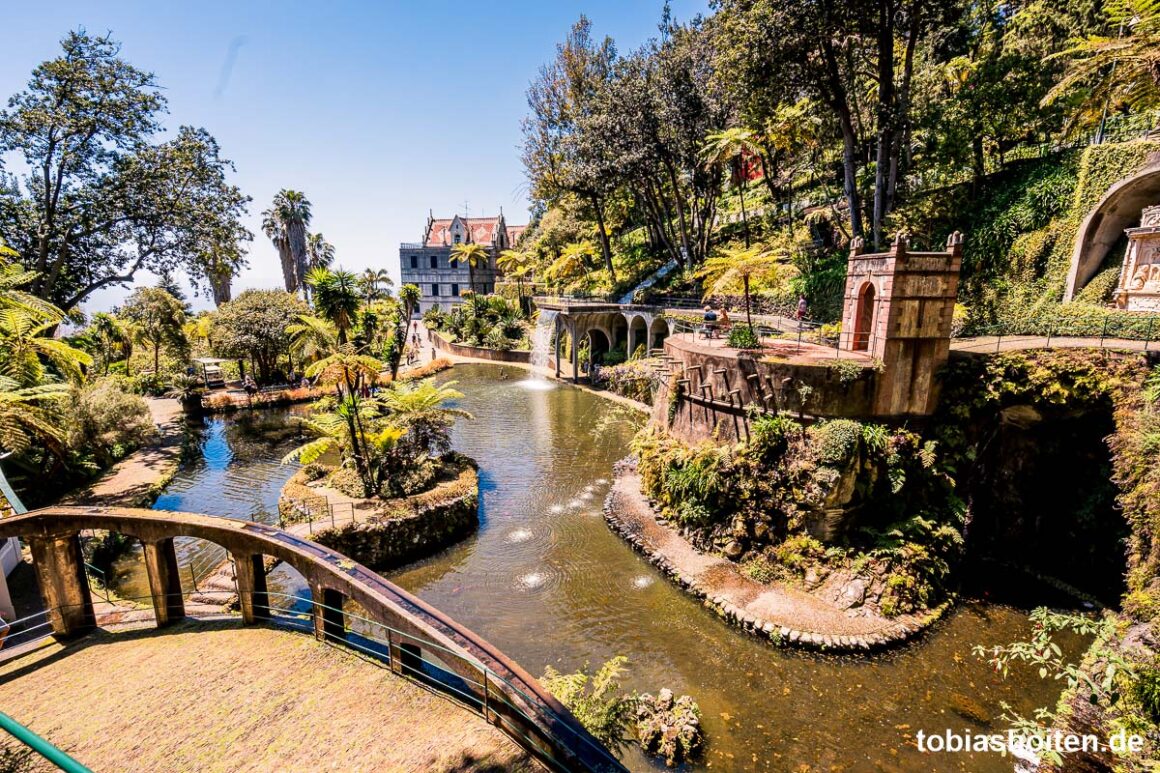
(627, 324)
(507, 695)
(1118, 209)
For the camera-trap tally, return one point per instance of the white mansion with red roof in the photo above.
(429, 265)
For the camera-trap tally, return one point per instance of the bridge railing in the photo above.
(789, 331)
(489, 695)
(533, 725)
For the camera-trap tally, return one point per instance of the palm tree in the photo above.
(409, 296)
(336, 297)
(516, 264)
(375, 283)
(159, 319)
(421, 409)
(29, 416)
(13, 276)
(27, 349)
(730, 147)
(1121, 70)
(312, 337)
(474, 255)
(348, 371)
(319, 252)
(738, 266)
(199, 330)
(113, 338)
(285, 222)
(573, 259)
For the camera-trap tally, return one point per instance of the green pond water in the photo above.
(547, 581)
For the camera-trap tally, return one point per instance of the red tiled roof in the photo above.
(481, 230)
(438, 234)
(515, 232)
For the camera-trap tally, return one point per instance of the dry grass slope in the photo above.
(216, 697)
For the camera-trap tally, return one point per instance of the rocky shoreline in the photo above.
(722, 588)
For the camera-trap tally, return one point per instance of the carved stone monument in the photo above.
(1139, 288)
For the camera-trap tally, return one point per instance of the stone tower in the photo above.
(898, 309)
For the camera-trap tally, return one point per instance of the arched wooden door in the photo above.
(864, 318)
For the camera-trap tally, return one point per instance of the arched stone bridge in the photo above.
(497, 687)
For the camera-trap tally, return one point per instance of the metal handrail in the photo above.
(1108, 332)
(40, 746)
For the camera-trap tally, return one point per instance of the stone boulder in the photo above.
(668, 727)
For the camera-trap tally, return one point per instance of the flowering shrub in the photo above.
(635, 379)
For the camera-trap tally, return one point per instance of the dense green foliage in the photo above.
(596, 700)
(253, 327)
(490, 321)
(795, 128)
(102, 199)
(760, 502)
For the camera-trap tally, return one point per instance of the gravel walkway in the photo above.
(134, 481)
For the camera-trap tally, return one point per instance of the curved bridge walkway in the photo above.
(417, 641)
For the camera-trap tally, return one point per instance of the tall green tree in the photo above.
(319, 252)
(100, 199)
(409, 296)
(1118, 69)
(113, 339)
(375, 284)
(516, 264)
(160, 321)
(559, 157)
(255, 326)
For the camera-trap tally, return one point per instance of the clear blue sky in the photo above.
(378, 111)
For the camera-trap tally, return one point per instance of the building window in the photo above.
(457, 238)
(454, 290)
(434, 261)
(414, 261)
(453, 263)
(435, 290)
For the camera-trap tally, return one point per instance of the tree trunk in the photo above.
(835, 94)
(768, 165)
(745, 285)
(886, 117)
(605, 246)
(297, 236)
(741, 195)
(979, 161)
(471, 275)
(289, 275)
(901, 141)
(679, 200)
